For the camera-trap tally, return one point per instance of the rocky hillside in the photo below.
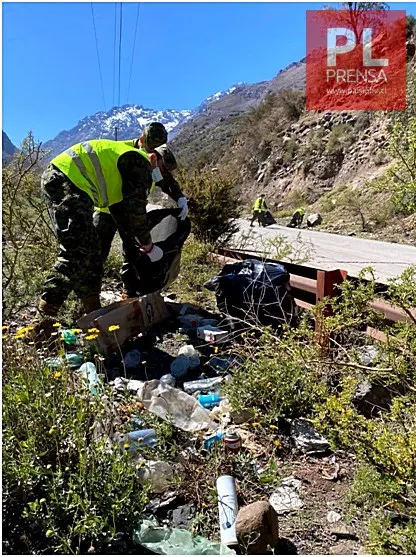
(8, 149)
(221, 120)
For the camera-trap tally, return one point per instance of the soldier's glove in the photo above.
(155, 253)
(183, 204)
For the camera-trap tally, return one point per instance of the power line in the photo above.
(132, 54)
(119, 52)
(114, 53)
(98, 55)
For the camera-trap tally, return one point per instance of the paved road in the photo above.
(332, 251)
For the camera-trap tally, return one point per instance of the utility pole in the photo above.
(115, 133)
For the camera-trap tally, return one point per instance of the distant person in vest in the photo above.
(97, 173)
(106, 226)
(297, 218)
(259, 211)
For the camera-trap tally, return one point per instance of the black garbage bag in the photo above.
(168, 232)
(269, 218)
(255, 292)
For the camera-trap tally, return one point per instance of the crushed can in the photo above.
(232, 441)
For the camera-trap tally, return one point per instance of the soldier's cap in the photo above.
(168, 158)
(155, 134)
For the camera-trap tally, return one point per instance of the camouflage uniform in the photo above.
(81, 258)
(106, 226)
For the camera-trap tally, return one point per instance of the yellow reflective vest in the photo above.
(259, 204)
(92, 167)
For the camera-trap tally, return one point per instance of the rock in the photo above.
(342, 531)
(344, 548)
(333, 517)
(182, 516)
(132, 359)
(314, 220)
(370, 398)
(367, 354)
(286, 498)
(306, 438)
(257, 527)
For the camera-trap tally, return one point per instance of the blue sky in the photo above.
(184, 53)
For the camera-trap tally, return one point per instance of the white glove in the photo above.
(156, 175)
(155, 254)
(183, 204)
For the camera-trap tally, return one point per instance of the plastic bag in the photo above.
(183, 410)
(256, 292)
(175, 541)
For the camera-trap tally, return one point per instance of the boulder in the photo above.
(257, 527)
(314, 220)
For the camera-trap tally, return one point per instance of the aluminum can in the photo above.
(232, 441)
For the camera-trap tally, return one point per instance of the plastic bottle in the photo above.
(202, 385)
(89, 372)
(143, 437)
(211, 440)
(209, 401)
(69, 337)
(72, 359)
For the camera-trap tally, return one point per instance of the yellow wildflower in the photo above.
(76, 331)
(19, 336)
(277, 443)
(57, 325)
(29, 358)
(126, 446)
(4, 336)
(256, 424)
(5, 327)
(51, 430)
(91, 337)
(112, 328)
(93, 330)
(57, 375)
(22, 330)
(273, 427)
(216, 350)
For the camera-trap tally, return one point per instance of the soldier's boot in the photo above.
(91, 303)
(42, 324)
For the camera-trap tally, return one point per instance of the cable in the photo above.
(98, 56)
(119, 52)
(132, 54)
(114, 53)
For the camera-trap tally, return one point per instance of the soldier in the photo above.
(100, 173)
(106, 226)
(259, 211)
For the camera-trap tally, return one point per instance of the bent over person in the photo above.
(106, 226)
(97, 173)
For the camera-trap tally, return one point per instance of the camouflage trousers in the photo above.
(79, 266)
(106, 229)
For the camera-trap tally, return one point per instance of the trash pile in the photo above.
(185, 390)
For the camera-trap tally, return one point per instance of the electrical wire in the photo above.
(114, 53)
(98, 56)
(119, 52)
(132, 54)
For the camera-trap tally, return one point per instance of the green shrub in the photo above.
(340, 138)
(214, 205)
(66, 488)
(274, 380)
(29, 245)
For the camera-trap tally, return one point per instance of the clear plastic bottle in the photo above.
(89, 372)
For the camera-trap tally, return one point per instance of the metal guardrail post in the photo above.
(326, 287)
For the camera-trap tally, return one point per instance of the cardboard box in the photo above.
(133, 316)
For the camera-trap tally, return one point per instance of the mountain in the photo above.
(8, 149)
(129, 119)
(219, 120)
